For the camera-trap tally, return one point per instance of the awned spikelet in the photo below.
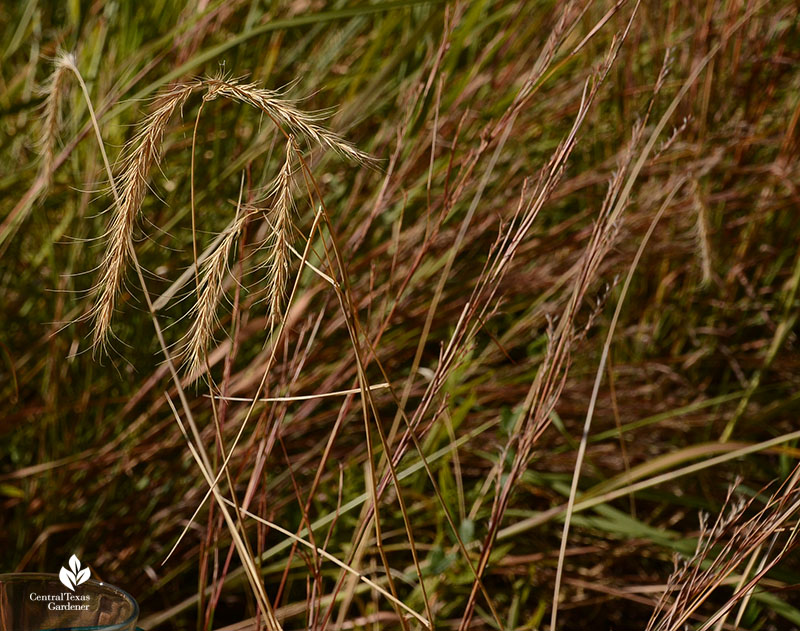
(282, 229)
(209, 293)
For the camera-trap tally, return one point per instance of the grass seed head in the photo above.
(209, 293)
(54, 91)
(282, 229)
(143, 152)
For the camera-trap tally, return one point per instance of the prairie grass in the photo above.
(487, 311)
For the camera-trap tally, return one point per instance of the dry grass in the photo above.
(144, 153)
(703, 241)
(396, 423)
(739, 537)
(285, 114)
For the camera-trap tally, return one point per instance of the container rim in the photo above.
(20, 577)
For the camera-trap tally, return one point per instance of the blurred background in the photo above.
(497, 126)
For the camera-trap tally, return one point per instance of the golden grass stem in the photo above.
(252, 572)
(303, 397)
(327, 555)
(191, 196)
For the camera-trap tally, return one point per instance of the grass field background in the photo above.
(537, 167)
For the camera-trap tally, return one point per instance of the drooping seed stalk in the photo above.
(286, 114)
(145, 152)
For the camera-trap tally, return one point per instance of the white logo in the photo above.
(76, 577)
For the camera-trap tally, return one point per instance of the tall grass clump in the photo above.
(463, 339)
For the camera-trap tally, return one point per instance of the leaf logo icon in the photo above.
(75, 575)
